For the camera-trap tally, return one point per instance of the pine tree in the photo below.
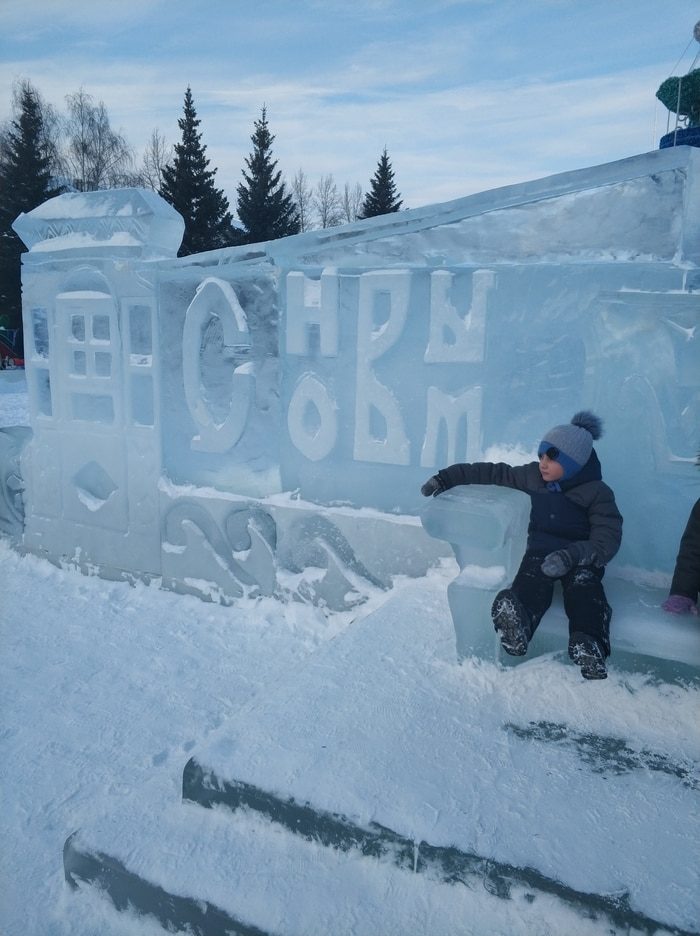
(382, 197)
(188, 185)
(25, 183)
(265, 208)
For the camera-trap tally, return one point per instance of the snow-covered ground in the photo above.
(14, 410)
(106, 689)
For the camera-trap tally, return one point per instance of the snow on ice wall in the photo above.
(189, 413)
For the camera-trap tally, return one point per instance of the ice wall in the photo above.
(194, 418)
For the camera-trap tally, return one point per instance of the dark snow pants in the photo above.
(585, 603)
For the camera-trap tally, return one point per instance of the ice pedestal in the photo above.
(487, 529)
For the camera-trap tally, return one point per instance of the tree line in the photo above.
(44, 153)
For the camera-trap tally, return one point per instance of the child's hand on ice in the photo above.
(557, 563)
(432, 487)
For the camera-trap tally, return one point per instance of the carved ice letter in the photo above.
(312, 304)
(453, 338)
(443, 408)
(216, 299)
(312, 419)
(381, 316)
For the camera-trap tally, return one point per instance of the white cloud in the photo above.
(452, 124)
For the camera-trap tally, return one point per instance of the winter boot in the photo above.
(586, 652)
(512, 622)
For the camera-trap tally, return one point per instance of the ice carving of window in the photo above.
(40, 333)
(77, 326)
(103, 364)
(79, 364)
(100, 327)
(219, 386)
(138, 317)
(140, 336)
(42, 387)
(142, 408)
(383, 309)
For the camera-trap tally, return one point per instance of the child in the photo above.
(683, 598)
(575, 529)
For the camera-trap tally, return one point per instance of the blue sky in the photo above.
(467, 95)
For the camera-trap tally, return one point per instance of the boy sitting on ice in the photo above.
(575, 529)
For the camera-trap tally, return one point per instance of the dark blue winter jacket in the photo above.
(579, 514)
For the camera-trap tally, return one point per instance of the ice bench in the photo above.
(487, 529)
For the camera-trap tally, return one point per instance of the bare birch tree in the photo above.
(303, 199)
(352, 201)
(327, 202)
(156, 157)
(96, 156)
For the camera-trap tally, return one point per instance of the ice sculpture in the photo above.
(215, 419)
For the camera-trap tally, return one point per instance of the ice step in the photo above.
(383, 727)
(445, 863)
(608, 755)
(200, 871)
(386, 739)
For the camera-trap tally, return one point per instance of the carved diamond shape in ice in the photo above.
(94, 486)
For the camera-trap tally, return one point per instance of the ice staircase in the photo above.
(384, 789)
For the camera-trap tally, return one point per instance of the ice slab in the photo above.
(254, 878)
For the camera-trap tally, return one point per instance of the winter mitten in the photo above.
(679, 604)
(432, 487)
(557, 563)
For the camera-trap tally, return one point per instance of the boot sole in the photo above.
(507, 618)
(592, 667)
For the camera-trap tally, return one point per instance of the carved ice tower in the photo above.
(89, 302)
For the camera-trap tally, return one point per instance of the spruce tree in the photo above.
(188, 185)
(265, 208)
(25, 182)
(382, 197)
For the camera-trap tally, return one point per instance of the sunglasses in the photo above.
(552, 453)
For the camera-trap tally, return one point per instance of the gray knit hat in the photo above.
(573, 443)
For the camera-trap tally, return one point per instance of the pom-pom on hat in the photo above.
(573, 442)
